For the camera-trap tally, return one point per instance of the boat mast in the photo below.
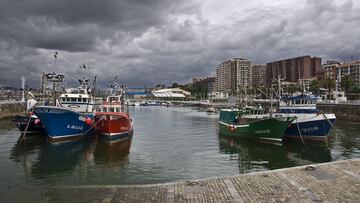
(271, 99)
(54, 84)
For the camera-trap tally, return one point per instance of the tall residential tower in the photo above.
(294, 69)
(233, 75)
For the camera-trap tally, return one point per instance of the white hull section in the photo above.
(306, 117)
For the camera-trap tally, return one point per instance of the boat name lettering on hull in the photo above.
(310, 129)
(74, 127)
(262, 131)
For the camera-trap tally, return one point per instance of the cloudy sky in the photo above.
(162, 41)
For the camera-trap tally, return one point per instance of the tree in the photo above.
(346, 84)
(175, 85)
(292, 88)
(329, 84)
(160, 86)
(355, 89)
(314, 86)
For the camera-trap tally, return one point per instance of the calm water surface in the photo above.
(169, 144)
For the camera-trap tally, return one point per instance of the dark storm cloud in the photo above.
(151, 42)
(75, 25)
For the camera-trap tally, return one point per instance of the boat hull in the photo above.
(63, 124)
(113, 127)
(269, 129)
(311, 127)
(33, 128)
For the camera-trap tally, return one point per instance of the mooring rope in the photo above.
(27, 126)
(92, 126)
(337, 131)
(298, 127)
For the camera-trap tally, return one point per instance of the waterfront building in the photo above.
(223, 77)
(136, 93)
(336, 71)
(171, 93)
(243, 73)
(331, 68)
(218, 95)
(258, 75)
(234, 74)
(293, 69)
(352, 69)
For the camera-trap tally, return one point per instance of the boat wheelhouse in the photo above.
(299, 104)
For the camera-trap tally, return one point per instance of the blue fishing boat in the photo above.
(72, 117)
(310, 124)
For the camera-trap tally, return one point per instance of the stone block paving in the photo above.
(329, 182)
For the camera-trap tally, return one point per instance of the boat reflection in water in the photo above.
(26, 151)
(257, 156)
(42, 159)
(114, 154)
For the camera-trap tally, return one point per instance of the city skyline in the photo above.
(149, 43)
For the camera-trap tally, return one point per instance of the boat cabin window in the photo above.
(84, 100)
(73, 99)
(297, 101)
(112, 99)
(118, 109)
(104, 109)
(111, 109)
(79, 99)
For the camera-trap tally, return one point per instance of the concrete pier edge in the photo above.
(337, 181)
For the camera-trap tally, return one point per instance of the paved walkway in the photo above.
(329, 182)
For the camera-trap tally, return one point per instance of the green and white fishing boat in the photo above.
(254, 123)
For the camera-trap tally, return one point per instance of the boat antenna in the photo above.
(84, 67)
(271, 99)
(55, 57)
(280, 90)
(93, 85)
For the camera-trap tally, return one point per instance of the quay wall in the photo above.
(347, 112)
(342, 111)
(10, 109)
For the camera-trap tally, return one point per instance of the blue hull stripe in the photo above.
(293, 110)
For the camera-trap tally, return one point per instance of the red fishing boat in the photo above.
(112, 119)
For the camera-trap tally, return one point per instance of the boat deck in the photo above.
(328, 182)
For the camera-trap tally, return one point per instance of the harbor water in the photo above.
(169, 144)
